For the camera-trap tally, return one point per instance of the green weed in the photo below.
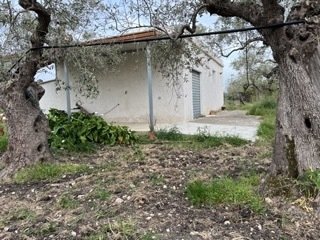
(22, 214)
(226, 191)
(201, 140)
(309, 183)
(3, 143)
(3, 138)
(231, 105)
(48, 171)
(267, 128)
(172, 134)
(68, 202)
(264, 107)
(267, 109)
(47, 229)
(138, 153)
(101, 194)
(156, 179)
(116, 229)
(148, 236)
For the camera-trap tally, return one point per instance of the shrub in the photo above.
(81, 132)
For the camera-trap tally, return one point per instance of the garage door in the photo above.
(196, 100)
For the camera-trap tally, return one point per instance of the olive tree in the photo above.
(26, 26)
(256, 75)
(296, 50)
(38, 33)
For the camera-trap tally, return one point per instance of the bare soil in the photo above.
(146, 199)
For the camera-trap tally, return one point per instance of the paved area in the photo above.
(224, 123)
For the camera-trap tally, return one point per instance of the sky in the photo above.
(228, 71)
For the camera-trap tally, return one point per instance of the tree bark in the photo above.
(297, 51)
(297, 143)
(28, 130)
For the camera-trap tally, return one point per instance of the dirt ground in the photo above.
(139, 193)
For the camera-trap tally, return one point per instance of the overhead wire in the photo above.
(161, 38)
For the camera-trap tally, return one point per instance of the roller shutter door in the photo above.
(196, 99)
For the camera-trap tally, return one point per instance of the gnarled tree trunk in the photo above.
(28, 129)
(297, 144)
(27, 126)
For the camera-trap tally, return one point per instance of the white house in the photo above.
(128, 95)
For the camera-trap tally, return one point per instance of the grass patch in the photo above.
(138, 153)
(48, 171)
(267, 128)
(3, 138)
(309, 183)
(116, 230)
(231, 105)
(22, 214)
(101, 194)
(265, 108)
(48, 228)
(3, 143)
(68, 202)
(201, 140)
(216, 141)
(226, 190)
(120, 229)
(172, 134)
(156, 179)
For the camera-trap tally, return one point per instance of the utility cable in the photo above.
(161, 38)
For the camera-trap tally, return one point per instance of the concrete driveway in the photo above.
(224, 123)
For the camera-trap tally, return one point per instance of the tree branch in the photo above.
(191, 27)
(243, 46)
(44, 18)
(30, 66)
(273, 11)
(251, 12)
(270, 5)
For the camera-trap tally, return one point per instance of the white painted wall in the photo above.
(125, 90)
(211, 87)
(124, 98)
(52, 98)
(211, 84)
